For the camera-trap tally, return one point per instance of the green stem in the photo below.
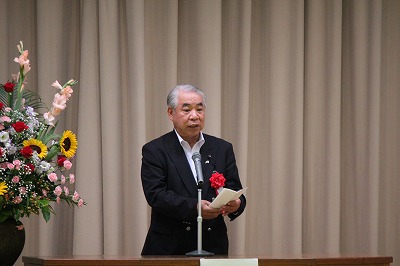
(10, 99)
(19, 91)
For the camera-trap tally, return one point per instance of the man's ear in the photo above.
(170, 111)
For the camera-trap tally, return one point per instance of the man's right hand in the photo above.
(208, 212)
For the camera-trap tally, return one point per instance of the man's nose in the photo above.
(194, 114)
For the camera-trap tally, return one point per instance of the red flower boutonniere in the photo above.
(217, 181)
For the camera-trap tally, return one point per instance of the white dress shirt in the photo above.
(189, 151)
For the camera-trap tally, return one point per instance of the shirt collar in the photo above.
(185, 144)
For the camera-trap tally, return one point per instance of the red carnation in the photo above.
(19, 126)
(217, 180)
(27, 152)
(60, 160)
(9, 86)
(30, 166)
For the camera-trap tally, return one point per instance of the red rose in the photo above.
(19, 126)
(2, 105)
(9, 86)
(27, 152)
(217, 180)
(60, 160)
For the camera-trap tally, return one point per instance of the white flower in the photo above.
(35, 158)
(11, 149)
(4, 136)
(57, 85)
(30, 111)
(44, 167)
(49, 118)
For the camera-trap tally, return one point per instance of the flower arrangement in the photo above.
(217, 181)
(34, 159)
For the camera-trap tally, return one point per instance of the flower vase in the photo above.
(12, 241)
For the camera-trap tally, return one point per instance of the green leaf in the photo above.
(47, 134)
(17, 215)
(31, 98)
(46, 213)
(54, 150)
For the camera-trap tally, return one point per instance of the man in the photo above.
(170, 186)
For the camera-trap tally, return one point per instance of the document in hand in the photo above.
(225, 196)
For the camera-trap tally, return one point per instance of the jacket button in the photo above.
(188, 228)
(209, 229)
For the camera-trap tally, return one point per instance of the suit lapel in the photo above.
(178, 157)
(207, 163)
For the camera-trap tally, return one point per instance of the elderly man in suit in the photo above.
(169, 180)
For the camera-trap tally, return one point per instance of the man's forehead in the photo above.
(190, 98)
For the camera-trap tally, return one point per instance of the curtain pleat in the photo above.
(322, 112)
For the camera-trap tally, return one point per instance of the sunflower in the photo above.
(3, 188)
(37, 146)
(68, 144)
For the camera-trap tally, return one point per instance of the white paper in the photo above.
(225, 196)
(228, 262)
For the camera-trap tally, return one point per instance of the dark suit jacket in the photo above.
(171, 190)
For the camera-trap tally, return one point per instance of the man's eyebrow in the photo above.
(187, 104)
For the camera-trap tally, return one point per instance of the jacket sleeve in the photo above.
(162, 186)
(229, 168)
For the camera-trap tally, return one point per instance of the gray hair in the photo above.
(172, 99)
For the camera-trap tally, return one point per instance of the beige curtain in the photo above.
(306, 90)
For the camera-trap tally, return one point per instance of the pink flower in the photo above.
(44, 192)
(71, 178)
(15, 179)
(67, 164)
(17, 164)
(66, 190)
(59, 104)
(62, 179)
(17, 200)
(75, 197)
(59, 101)
(22, 190)
(20, 227)
(80, 203)
(10, 166)
(52, 177)
(58, 191)
(5, 118)
(23, 61)
(67, 92)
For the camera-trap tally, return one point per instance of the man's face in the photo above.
(188, 117)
